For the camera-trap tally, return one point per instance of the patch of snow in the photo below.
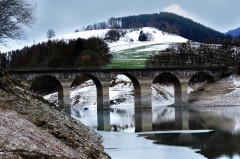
(158, 36)
(162, 95)
(84, 34)
(84, 95)
(123, 78)
(194, 86)
(53, 98)
(154, 48)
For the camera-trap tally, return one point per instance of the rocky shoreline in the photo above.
(31, 127)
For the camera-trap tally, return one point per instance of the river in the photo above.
(166, 132)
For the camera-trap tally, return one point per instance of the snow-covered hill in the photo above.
(129, 40)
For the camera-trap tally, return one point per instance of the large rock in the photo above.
(31, 127)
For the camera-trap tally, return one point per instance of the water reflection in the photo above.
(103, 120)
(158, 123)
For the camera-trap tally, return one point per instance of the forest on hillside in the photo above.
(167, 22)
(234, 32)
(59, 53)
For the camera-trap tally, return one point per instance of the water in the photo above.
(167, 132)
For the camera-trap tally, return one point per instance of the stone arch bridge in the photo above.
(142, 80)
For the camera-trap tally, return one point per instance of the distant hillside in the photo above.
(171, 23)
(234, 32)
(167, 22)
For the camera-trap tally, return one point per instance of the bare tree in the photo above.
(112, 35)
(15, 17)
(50, 33)
(114, 23)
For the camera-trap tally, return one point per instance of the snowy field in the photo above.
(130, 40)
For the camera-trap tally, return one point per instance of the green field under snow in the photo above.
(134, 57)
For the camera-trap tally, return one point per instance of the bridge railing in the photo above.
(114, 68)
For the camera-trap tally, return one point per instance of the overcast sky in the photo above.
(64, 16)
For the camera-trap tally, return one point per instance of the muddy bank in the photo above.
(225, 92)
(31, 127)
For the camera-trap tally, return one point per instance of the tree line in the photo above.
(60, 53)
(195, 54)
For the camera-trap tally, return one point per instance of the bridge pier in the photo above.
(185, 118)
(181, 93)
(145, 96)
(184, 87)
(143, 120)
(64, 96)
(103, 117)
(182, 118)
(103, 100)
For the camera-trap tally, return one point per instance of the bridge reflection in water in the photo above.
(143, 120)
(215, 132)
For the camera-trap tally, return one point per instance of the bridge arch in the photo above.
(171, 78)
(200, 77)
(47, 84)
(137, 88)
(196, 85)
(99, 87)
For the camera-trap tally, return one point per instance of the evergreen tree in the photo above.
(142, 36)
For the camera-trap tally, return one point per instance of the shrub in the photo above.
(112, 35)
